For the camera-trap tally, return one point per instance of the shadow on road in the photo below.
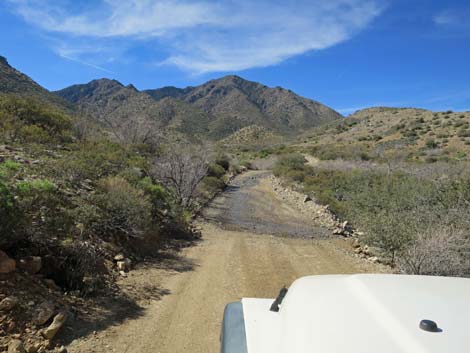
(122, 302)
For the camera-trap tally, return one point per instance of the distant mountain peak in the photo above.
(3, 60)
(105, 82)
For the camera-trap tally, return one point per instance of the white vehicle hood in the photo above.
(362, 314)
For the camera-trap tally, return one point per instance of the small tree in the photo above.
(181, 170)
(135, 130)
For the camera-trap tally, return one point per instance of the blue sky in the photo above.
(348, 54)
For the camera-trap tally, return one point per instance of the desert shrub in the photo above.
(463, 133)
(43, 209)
(334, 152)
(213, 184)
(392, 209)
(223, 160)
(460, 156)
(9, 215)
(296, 175)
(123, 212)
(181, 170)
(215, 170)
(92, 160)
(437, 251)
(431, 143)
(288, 163)
(156, 192)
(431, 159)
(400, 126)
(25, 119)
(34, 134)
(410, 134)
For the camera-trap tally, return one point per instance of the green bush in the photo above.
(431, 143)
(223, 161)
(26, 188)
(92, 160)
(336, 151)
(28, 120)
(9, 215)
(10, 165)
(213, 184)
(463, 133)
(123, 212)
(215, 170)
(289, 162)
(296, 175)
(392, 209)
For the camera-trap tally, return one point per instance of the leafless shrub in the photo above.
(134, 130)
(182, 169)
(437, 251)
(81, 128)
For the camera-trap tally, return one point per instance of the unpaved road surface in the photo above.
(238, 257)
(251, 205)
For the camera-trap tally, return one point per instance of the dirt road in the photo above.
(239, 257)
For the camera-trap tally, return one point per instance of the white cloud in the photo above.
(207, 36)
(456, 19)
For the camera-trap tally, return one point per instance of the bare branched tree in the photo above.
(134, 131)
(81, 128)
(182, 169)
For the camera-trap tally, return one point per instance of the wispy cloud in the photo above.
(454, 19)
(86, 63)
(207, 35)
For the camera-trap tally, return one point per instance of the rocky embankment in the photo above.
(32, 308)
(309, 208)
(322, 216)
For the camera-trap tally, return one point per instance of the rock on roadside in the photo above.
(43, 313)
(59, 321)
(8, 303)
(7, 265)
(16, 346)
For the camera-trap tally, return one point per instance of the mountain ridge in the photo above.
(223, 106)
(215, 109)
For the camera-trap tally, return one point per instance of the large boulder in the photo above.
(59, 321)
(7, 265)
(31, 264)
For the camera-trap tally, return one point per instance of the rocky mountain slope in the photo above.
(13, 81)
(115, 104)
(234, 103)
(394, 133)
(215, 109)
